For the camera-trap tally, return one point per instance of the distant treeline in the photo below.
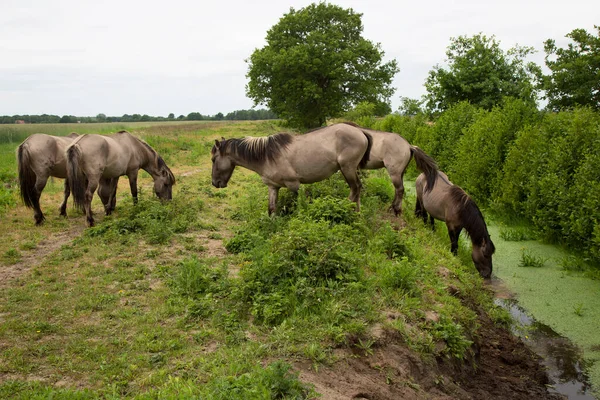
(238, 115)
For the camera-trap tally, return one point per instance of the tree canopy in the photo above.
(575, 71)
(480, 72)
(317, 65)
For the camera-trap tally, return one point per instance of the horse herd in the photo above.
(95, 162)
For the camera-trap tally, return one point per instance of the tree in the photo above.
(101, 117)
(480, 72)
(410, 107)
(171, 116)
(575, 71)
(317, 65)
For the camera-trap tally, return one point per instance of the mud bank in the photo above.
(566, 303)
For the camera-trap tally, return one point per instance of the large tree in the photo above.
(480, 72)
(316, 65)
(575, 71)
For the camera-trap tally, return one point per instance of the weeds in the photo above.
(529, 260)
(517, 234)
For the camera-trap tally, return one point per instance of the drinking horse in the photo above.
(97, 160)
(449, 203)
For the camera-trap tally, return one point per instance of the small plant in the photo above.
(573, 264)
(528, 260)
(516, 235)
(366, 346)
(12, 256)
(578, 309)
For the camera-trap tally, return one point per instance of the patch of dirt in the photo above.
(30, 259)
(503, 369)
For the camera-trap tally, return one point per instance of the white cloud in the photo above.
(149, 57)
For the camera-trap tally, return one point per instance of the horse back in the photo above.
(389, 150)
(103, 155)
(436, 201)
(318, 154)
(46, 154)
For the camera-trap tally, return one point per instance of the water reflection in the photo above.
(562, 359)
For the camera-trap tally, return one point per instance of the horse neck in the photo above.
(255, 166)
(474, 224)
(147, 158)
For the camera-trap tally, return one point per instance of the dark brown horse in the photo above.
(39, 157)
(96, 160)
(285, 160)
(449, 203)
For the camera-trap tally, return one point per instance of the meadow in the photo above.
(208, 297)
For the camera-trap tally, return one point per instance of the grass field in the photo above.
(207, 296)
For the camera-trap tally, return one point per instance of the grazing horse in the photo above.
(94, 160)
(39, 157)
(449, 203)
(393, 152)
(285, 160)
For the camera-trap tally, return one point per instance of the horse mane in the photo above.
(471, 218)
(258, 149)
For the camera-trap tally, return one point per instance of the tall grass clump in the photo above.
(152, 220)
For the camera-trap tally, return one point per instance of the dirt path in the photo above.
(33, 258)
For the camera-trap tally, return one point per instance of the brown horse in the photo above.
(393, 152)
(449, 203)
(39, 157)
(285, 160)
(96, 160)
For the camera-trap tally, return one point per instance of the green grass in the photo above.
(145, 306)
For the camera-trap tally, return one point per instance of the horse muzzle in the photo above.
(219, 184)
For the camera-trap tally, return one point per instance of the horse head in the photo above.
(163, 181)
(222, 165)
(482, 257)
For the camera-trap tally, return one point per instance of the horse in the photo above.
(286, 160)
(393, 152)
(39, 157)
(449, 203)
(97, 160)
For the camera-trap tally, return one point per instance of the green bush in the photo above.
(482, 149)
(154, 220)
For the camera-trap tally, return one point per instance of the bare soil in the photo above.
(502, 368)
(32, 258)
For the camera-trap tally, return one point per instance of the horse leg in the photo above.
(132, 175)
(40, 184)
(63, 207)
(89, 195)
(454, 233)
(432, 222)
(351, 176)
(398, 182)
(113, 194)
(104, 191)
(273, 194)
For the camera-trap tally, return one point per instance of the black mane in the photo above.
(258, 149)
(471, 218)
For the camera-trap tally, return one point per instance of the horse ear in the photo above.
(217, 144)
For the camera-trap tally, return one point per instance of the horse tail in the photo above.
(365, 158)
(425, 164)
(27, 177)
(75, 175)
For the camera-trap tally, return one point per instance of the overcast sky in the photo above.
(118, 57)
